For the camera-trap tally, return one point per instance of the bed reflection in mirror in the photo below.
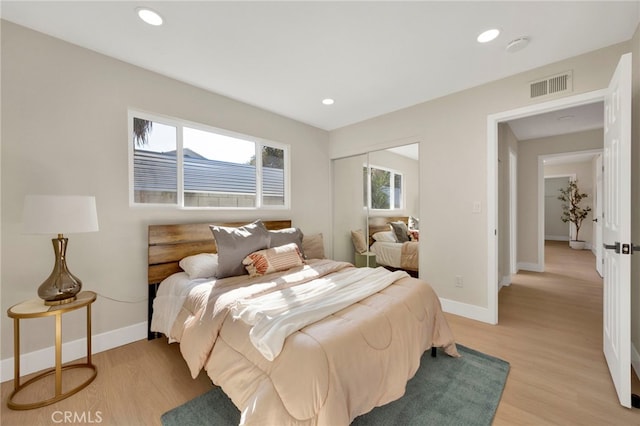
(382, 186)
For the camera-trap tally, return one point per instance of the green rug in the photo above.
(444, 391)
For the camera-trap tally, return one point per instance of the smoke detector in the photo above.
(517, 44)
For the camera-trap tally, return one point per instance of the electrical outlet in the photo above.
(459, 281)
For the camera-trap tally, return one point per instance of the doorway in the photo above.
(494, 228)
(617, 215)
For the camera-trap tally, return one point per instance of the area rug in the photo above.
(444, 391)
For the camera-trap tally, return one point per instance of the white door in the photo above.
(597, 220)
(617, 229)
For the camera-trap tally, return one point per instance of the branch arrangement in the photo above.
(571, 210)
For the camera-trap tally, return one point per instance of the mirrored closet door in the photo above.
(370, 190)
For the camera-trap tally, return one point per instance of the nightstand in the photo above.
(36, 308)
(368, 258)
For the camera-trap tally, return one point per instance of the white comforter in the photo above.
(327, 373)
(277, 315)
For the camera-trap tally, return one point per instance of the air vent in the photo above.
(558, 83)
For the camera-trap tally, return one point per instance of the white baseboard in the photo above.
(556, 237)
(635, 360)
(505, 281)
(532, 267)
(45, 358)
(474, 312)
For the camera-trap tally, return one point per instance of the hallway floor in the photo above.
(550, 330)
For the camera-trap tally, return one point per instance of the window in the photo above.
(189, 165)
(383, 188)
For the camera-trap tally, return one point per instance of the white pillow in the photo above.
(385, 237)
(203, 265)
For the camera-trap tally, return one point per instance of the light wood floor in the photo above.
(550, 331)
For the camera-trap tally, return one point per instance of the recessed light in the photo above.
(149, 16)
(488, 35)
(328, 101)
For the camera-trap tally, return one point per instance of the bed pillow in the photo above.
(359, 241)
(234, 244)
(203, 265)
(414, 234)
(286, 236)
(401, 231)
(313, 246)
(385, 237)
(273, 259)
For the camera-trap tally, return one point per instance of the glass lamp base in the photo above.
(62, 286)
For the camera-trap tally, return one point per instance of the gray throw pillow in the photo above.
(234, 244)
(285, 236)
(401, 231)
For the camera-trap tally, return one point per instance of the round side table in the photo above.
(36, 308)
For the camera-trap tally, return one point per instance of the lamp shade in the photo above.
(59, 214)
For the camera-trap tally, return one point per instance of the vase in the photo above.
(576, 244)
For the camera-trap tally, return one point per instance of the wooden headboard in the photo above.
(381, 224)
(170, 243)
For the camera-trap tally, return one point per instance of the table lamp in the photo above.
(59, 214)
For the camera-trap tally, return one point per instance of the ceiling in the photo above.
(569, 120)
(371, 57)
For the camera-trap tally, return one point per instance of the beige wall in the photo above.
(528, 153)
(583, 171)
(453, 162)
(64, 131)
(554, 227)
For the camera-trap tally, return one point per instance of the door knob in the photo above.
(615, 246)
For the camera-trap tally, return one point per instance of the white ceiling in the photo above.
(371, 57)
(569, 120)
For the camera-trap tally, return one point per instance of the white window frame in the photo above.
(392, 188)
(179, 124)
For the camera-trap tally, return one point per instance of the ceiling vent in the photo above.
(559, 83)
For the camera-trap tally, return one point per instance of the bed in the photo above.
(389, 251)
(337, 358)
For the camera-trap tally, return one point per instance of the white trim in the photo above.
(473, 312)
(532, 267)
(492, 220)
(179, 125)
(513, 211)
(76, 349)
(492, 177)
(505, 281)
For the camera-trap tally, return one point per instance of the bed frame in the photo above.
(170, 243)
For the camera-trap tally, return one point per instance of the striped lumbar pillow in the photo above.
(273, 259)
